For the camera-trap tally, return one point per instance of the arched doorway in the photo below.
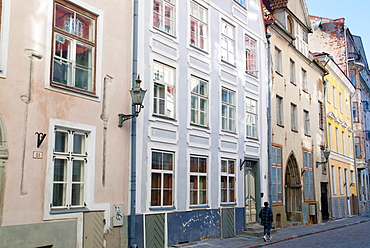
(293, 189)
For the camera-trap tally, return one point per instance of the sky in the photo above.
(355, 12)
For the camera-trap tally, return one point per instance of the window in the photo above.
(330, 134)
(355, 112)
(352, 76)
(242, 3)
(328, 92)
(350, 146)
(276, 188)
(343, 144)
(4, 32)
(292, 71)
(227, 181)
(337, 140)
(340, 174)
(357, 147)
(304, 80)
(290, 25)
(334, 180)
(198, 25)
(228, 110)
(323, 170)
(251, 118)
(162, 179)
(278, 61)
(74, 43)
(251, 56)
(70, 164)
(304, 36)
(164, 15)
(340, 102)
(293, 116)
(198, 180)
(353, 180)
(348, 109)
(321, 115)
(227, 42)
(279, 111)
(308, 176)
(199, 101)
(164, 90)
(335, 97)
(306, 115)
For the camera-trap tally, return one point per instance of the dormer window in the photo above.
(290, 25)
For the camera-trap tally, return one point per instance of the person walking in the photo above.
(266, 217)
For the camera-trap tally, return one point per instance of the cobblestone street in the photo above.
(334, 233)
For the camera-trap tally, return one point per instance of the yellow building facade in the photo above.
(339, 131)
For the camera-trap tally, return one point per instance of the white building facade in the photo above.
(201, 147)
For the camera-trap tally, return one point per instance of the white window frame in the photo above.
(304, 80)
(199, 99)
(199, 21)
(334, 97)
(334, 180)
(294, 117)
(292, 72)
(340, 102)
(228, 110)
(4, 37)
(251, 116)
(344, 144)
(278, 61)
(328, 92)
(330, 134)
(337, 139)
(171, 30)
(251, 58)
(242, 3)
(306, 116)
(227, 42)
(89, 168)
(355, 112)
(279, 111)
(163, 80)
(340, 174)
(198, 189)
(162, 172)
(70, 158)
(230, 177)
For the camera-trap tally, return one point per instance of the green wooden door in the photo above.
(154, 231)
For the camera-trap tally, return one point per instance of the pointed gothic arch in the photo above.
(293, 185)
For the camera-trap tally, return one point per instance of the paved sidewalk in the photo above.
(244, 241)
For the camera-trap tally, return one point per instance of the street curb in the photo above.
(307, 234)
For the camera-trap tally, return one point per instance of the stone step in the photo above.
(257, 231)
(293, 223)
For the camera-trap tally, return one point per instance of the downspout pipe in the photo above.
(269, 127)
(132, 223)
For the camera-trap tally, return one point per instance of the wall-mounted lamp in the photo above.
(137, 97)
(326, 155)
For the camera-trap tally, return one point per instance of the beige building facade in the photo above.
(298, 131)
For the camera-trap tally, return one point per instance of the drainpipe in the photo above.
(132, 226)
(269, 127)
(26, 99)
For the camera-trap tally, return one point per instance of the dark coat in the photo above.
(266, 216)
